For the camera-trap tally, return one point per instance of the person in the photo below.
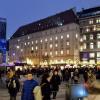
(45, 87)
(55, 82)
(13, 85)
(76, 76)
(31, 89)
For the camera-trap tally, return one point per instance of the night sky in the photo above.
(20, 12)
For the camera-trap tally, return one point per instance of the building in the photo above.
(52, 40)
(2, 40)
(89, 20)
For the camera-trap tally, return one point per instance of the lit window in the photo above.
(51, 39)
(50, 45)
(91, 36)
(25, 43)
(17, 47)
(18, 40)
(50, 53)
(56, 52)
(91, 45)
(41, 41)
(56, 38)
(76, 36)
(61, 37)
(45, 40)
(62, 52)
(81, 40)
(84, 45)
(67, 43)
(98, 44)
(98, 36)
(56, 45)
(87, 30)
(92, 55)
(45, 53)
(84, 37)
(28, 37)
(32, 42)
(13, 54)
(90, 21)
(36, 41)
(94, 28)
(67, 35)
(98, 20)
(21, 50)
(98, 54)
(32, 48)
(36, 47)
(67, 51)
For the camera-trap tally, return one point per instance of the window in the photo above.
(62, 52)
(67, 35)
(98, 54)
(36, 48)
(56, 38)
(92, 55)
(98, 20)
(25, 43)
(67, 43)
(56, 45)
(94, 28)
(21, 50)
(91, 37)
(45, 40)
(50, 45)
(28, 37)
(98, 44)
(90, 21)
(45, 53)
(98, 36)
(32, 42)
(56, 53)
(18, 40)
(84, 45)
(61, 37)
(41, 41)
(67, 51)
(17, 47)
(36, 41)
(91, 45)
(32, 48)
(76, 36)
(87, 30)
(84, 37)
(28, 43)
(51, 39)
(50, 53)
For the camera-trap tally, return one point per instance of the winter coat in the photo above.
(27, 91)
(46, 90)
(55, 82)
(13, 86)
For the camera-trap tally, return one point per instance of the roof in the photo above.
(89, 12)
(57, 20)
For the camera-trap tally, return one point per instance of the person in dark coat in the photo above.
(28, 87)
(45, 87)
(13, 85)
(55, 82)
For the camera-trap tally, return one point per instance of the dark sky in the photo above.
(20, 12)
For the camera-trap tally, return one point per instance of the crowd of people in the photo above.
(51, 78)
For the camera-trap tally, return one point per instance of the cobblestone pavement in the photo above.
(60, 96)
